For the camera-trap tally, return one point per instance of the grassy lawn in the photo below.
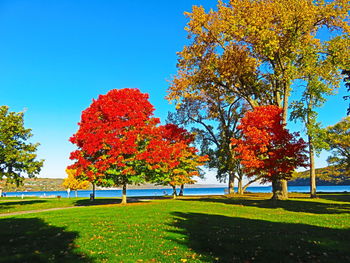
(211, 229)
(11, 204)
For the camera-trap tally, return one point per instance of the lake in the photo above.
(188, 191)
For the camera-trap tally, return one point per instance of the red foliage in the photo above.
(115, 133)
(120, 143)
(267, 148)
(182, 160)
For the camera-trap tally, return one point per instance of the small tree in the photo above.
(17, 156)
(182, 161)
(267, 148)
(73, 183)
(339, 142)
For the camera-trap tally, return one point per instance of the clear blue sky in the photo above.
(56, 56)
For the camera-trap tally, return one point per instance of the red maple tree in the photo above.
(115, 140)
(267, 148)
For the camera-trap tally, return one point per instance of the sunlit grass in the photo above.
(211, 229)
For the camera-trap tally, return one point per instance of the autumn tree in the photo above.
(115, 140)
(339, 142)
(267, 148)
(182, 163)
(73, 183)
(260, 50)
(17, 155)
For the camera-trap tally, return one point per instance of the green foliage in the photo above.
(17, 156)
(339, 142)
(316, 133)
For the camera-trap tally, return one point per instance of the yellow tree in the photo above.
(73, 183)
(260, 50)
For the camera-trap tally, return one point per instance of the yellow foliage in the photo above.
(230, 46)
(73, 183)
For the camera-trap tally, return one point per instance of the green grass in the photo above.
(212, 229)
(11, 205)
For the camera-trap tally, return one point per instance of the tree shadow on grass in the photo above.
(97, 201)
(232, 239)
(305, 206)
(335, 197)
(111, 201)
(10, 204)
(32, 240)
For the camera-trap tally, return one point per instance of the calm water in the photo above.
(189, 191)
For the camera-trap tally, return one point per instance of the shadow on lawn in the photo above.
(9, 204)
(335, 197)
(232, 239)
(98, 201)
(33, 240)
(306, 206)
(113, 201)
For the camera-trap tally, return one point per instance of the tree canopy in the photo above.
(17, 155)
(267, 148)
(115, 139)
(184, 162)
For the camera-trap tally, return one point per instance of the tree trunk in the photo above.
(309, 122)
(231, 183)
(312, 169)
(240, 187)
(181, 193)
(92, 198)
(124, 195)
(76, 193)
(174, 192)
(284, 190)
(277, 190)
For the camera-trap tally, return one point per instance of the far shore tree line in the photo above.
(232, 93)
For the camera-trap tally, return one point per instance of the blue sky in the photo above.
(56, 56)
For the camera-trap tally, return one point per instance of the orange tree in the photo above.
(267, 148)
(115, 140)
(74, 183)
(180, 162)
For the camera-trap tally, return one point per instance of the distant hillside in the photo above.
(324, 176)
(55, 184)
(34, 184)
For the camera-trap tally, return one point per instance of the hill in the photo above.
(324, 176)
(55, 184)
(34, 184)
